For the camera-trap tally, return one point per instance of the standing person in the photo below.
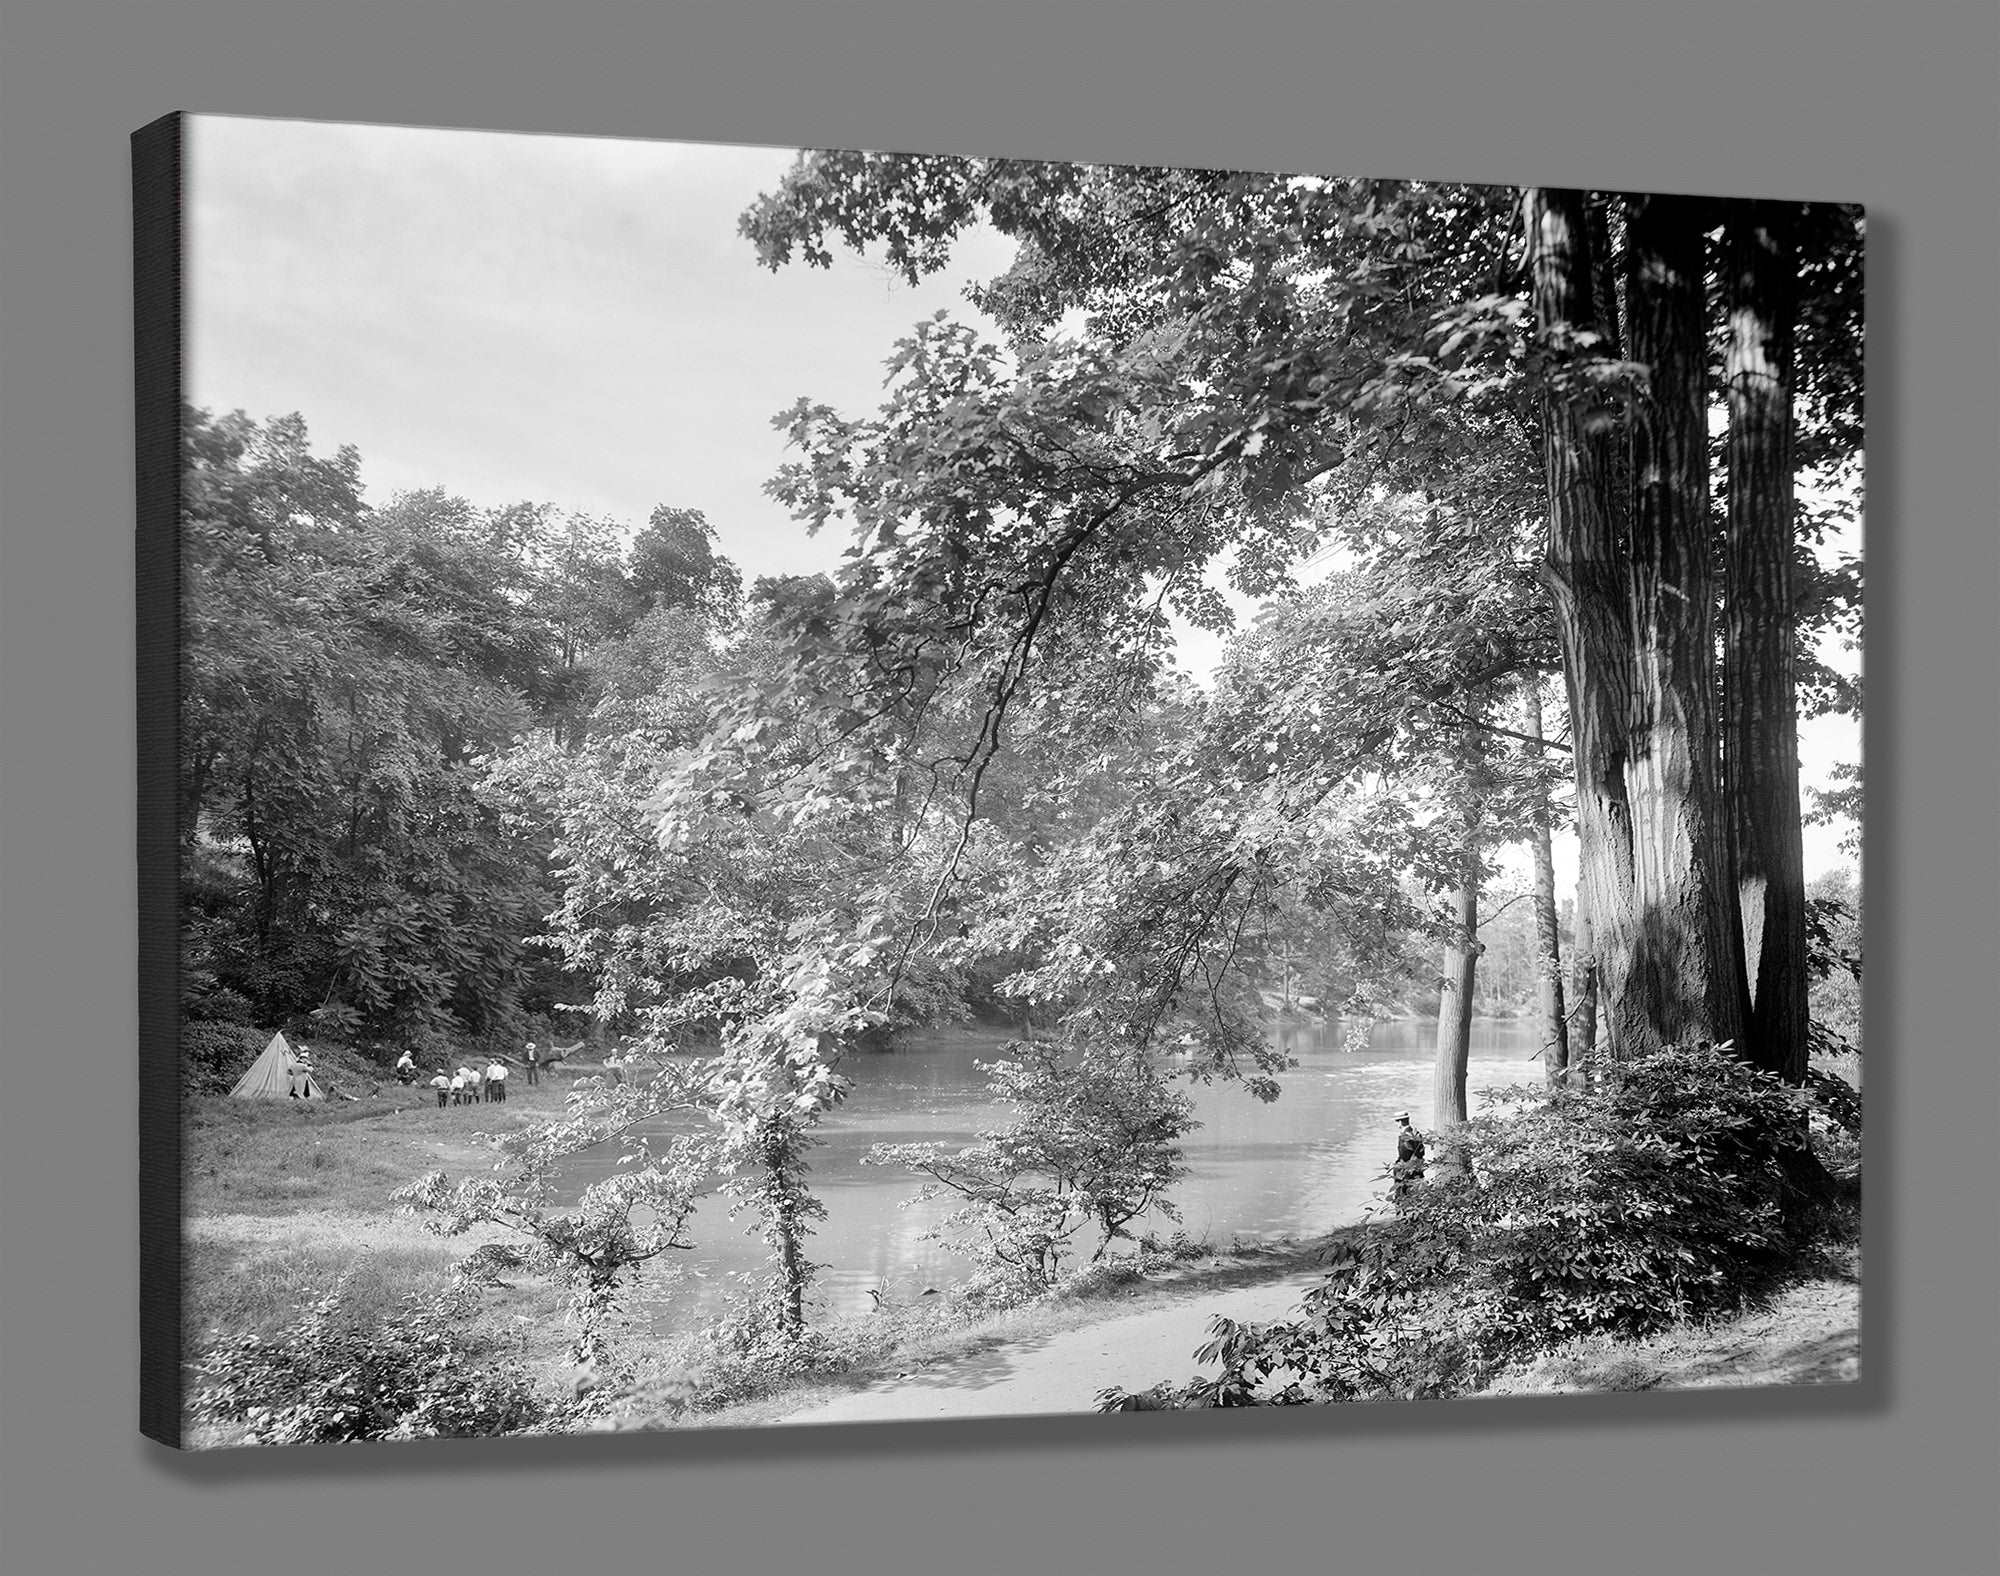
(443, 1086)
(496, 1079)
(1408, 1170)
(534, 1064)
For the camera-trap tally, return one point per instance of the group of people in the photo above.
(469, 1086)
(465, 1085)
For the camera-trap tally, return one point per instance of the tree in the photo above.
(618, 1224)
(1549, 1008)
(1667, 859)
(348, 668)
(1761, 755)
(1634, 604)
(673, 564)
(1094, 1147)
(1207, 373)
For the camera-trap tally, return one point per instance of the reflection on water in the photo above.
(1310, 1160)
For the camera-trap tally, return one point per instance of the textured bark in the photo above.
(1684, 974)
(1583, 1038)
(1548, 940)
(1585, 549)
(1633, 591)
(1454, 1031)
(1760, 690)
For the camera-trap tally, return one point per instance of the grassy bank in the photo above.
(289, 1201)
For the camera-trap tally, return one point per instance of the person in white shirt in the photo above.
(443, 1086)
(496, 1080)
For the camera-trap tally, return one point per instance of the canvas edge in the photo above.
(157, 235)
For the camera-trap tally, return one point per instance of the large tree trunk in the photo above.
(1454, 1030)
(1635, 617)
(1761, 754)
(1688, 955)
(1548, 939)
(1583, 1042)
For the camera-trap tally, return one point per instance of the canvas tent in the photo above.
(271, 1074)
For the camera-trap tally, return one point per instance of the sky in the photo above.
(564, 320)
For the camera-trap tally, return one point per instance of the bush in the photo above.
(417, 1372)
(1673, 1189)
(214, 1055)
(1094, 1147)
(754, 1354)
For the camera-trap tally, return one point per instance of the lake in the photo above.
(1309, 1161)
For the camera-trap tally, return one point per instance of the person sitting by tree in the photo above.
(406, 1068)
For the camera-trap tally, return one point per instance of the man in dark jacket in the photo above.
(1408, 1170)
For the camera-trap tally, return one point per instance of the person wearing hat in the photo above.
(534, 1057)
(1408, 1170)
(442, 1084)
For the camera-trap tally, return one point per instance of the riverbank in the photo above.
(1056, 1357)
(286, 1200)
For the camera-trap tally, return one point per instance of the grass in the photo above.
(273, 1157)
(285, 1197)
(236, 1287)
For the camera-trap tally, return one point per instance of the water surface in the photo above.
(1310, 1160)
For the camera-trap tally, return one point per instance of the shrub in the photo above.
(1094, 1147)
(1672, 1189)
(755, 1354)
(419, 1371)
(214, 1055)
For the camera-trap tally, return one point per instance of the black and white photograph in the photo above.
(849, 787)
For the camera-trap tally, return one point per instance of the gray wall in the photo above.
(1851, 99)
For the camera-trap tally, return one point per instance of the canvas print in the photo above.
(817, 786)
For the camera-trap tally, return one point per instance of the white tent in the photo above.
(275, 1074)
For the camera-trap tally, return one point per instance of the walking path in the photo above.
(1063, 1372)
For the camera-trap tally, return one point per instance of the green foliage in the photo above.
(590, 1249)
(348, 669)
(673, 564)
(422, 1370)
(1834, 962)
(1672, 1189)
(1094, 1147)
(756, 1353)
(215, 1055)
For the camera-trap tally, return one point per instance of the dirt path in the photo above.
(1062, 1372)
(1808, 1334)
